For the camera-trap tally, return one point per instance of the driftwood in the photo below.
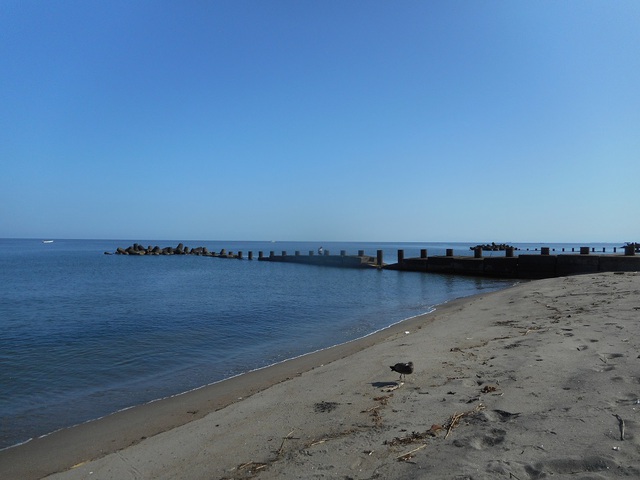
(406, 456)
(284, 439)
(620, 425)
(253, 467)
(331, 437)
(414, 437)
(454, 420)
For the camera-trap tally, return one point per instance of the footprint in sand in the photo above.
(480, 442)
(625, 379)
(572, 466)
(629, 398)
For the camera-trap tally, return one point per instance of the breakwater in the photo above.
(525, 266)
(139, 250)
(544, 263)
(324, 258)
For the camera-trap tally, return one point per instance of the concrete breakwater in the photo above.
(180, 249)
(525, 266)
(326, 259)
(544, 264)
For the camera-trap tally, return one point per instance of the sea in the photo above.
(84, 334)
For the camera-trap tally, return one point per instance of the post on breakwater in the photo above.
(584, 250)
(361, 253)
(449, 252)
(477, 252)
(629, 250)
(250, 255)
(379, 258)
(423, 253)
(544, 251)
(400, 257)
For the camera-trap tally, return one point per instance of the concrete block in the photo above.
(537, 266)
(577, 264)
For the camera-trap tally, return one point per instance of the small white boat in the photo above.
(47, 241)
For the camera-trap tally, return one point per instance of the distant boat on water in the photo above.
(47, 241)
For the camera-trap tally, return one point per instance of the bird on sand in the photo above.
(403, 369)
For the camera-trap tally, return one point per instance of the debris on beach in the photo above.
(449, 425)
(324, 407)
(392, 387)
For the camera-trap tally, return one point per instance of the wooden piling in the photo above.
(250, 257)
(379, 258)
(544, 251)
(423, 253)
(477, 252)
(584, 250)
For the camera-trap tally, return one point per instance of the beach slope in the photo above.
(537, 380)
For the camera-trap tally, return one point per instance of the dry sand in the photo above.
(538, 380)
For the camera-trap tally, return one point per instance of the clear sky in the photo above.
(505, 121)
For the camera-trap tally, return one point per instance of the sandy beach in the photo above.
(538, 380)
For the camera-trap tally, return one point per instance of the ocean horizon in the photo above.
(83, 334)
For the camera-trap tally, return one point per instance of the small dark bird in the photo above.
(403, 369)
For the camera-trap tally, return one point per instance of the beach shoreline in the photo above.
(525, 381)
(64, 448)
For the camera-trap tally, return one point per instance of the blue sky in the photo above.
(327, 120)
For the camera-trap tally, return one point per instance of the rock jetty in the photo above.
(494, 247)
(180, 249)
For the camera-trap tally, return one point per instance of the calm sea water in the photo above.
(83, 334)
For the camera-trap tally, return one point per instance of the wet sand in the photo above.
(536, 380)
